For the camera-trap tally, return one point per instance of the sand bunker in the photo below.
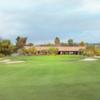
(9, 61)
(89, 59)
(5, 60)
(97, 57)
(14, 62)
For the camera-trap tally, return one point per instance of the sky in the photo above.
(43, 20)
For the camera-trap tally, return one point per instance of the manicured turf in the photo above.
(50, 78)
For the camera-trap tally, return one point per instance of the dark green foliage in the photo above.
(6, 48)
(57, 41)
(70, 42)
(21, 42)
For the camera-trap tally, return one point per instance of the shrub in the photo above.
(52, 51)
(1, 55)
(90, 51)
(97, 52)
(43, 52)
(27, 51)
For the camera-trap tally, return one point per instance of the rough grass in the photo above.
(50, 78)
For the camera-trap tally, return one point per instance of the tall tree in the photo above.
(82, 43)
(57, 41)
(21, 42)
(6, 48)
(70, 42)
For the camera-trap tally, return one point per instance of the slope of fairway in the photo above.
(50, 78)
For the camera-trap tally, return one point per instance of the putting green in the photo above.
(50, 78)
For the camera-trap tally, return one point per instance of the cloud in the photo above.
(91, 6)
(42, 20)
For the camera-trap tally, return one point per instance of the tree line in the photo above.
(8, 48)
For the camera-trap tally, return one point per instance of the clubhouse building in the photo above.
(61, 49)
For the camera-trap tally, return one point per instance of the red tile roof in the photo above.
(61, 48)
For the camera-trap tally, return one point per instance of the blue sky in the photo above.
(42, 20)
